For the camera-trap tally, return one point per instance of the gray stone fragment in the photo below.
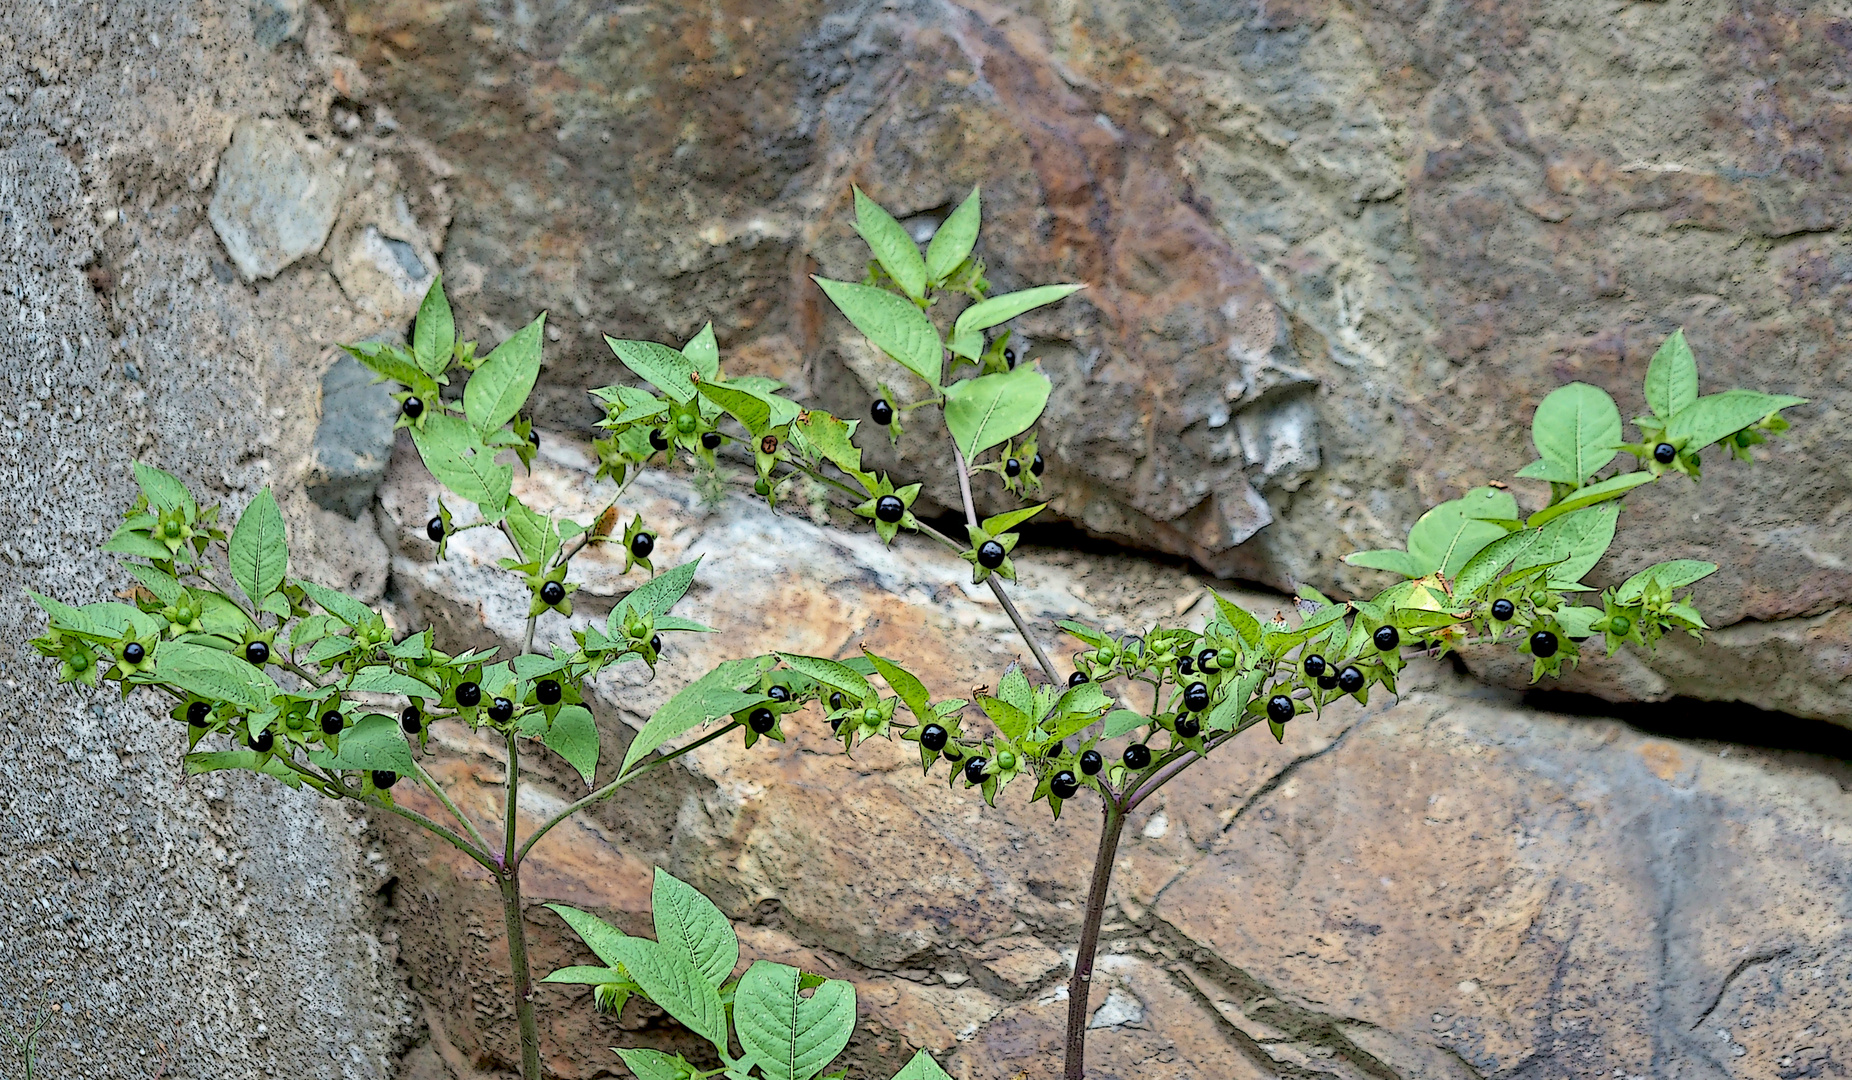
(353, 441)
(276, 196)
(277, 21)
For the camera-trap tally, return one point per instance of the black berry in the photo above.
(933, 737)
(134, 653)
(890, 509)
(1196, 697)
(257, 652)
(1386, 638)
(990, 555)
(1136, 756)
(1186, 665)
(412, 408)
(1036, 465)
(469, 694)
(881, 412)
(1503, 610)
(1328, 682)
(434, 529)
(953, 753)
(552, 593)
(836, 724)
(500, 710)
(642, 544)
(1189, 727)
(1054, 750)
(533, 438)
(711, 440)
(836, 701)
(1064, 786)
(778, 693)
(547, 691)
(1314, 665)
(1280, 708)
(1012, 467)
(384, 778)
(657, 442)
(655, 643)
(262, 742)
(1350, 680)
(1077, 678)
(332, 723)
(761, 720)
(974, 770)
(1206, 661)
(1665, 453)
(197, 712)
(1091, 763)
(1009, 358)
(411, 720)
(1543, 644)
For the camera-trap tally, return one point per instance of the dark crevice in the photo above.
(1692, 720)
(1743, 965)
(1286, 773)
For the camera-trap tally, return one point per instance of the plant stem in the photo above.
(996, 586)
(523, 976)
(1082, 981)
(437, 789)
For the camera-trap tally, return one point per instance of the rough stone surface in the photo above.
(276, 196)
(353, 440)
(1444, 885)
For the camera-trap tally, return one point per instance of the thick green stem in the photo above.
(1082, 981)
(523, 977)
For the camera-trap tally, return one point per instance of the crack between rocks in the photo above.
(1735, 973)
(1281, 777)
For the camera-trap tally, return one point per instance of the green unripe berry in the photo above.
(1006, 760)
(1620, 626)
(1225, 659)
(80, 661)
(685, 424)
(1106, 655)
(172, 529)
(871, 716)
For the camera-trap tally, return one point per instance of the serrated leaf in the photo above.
(434, 334)
(164, 489)
(829, 673)
(953, 240)
(892, 247)
(666, 369)
(574, 736)
(1718, 416)
(704, 353)
(459, 461)
(992, 409)
(675, 985)
(1672, 377)
(599, 936)
(1578, 427)
(895, 324)
(259, 549)
(1612, 488)
(788, 1036)
(373, 742)
(498, 389)
(212, 674)
(908, 688)
(1675, 574)
(988, 313)
(688, 921)
(713, 695)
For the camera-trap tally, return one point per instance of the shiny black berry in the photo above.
(1064, 786)
(1077, 678)
(711, 439)
(412, 408)
(761, 720)
(552, 593)
(642, 544)
(1036, 465)
(1206, 661)
(881, 412)
(434, 529)
(1054, 750)
(469, 695)
(1280, 708)
(1189, 726)
(1196, 697)
(1503, 610)
(134, 653)
(890, 509)
(655, 643)
(1350, 680)
(1386, 638)
(974, 770)
(778, 693)
(411, 721)
(1009, 358)
(1012, 467)
(262, 742)
(1186, 665)
(547, 691)
(384, 778)
(197, 712)
(1543, 644)
(933, 737)
(533, 438)
(1136, 756)
(1328, 682)
(990, 555)
(1314, 665)
(1091, 763)
(500, 710)
(1665, 453)
(332, 723)
(657, 441)
(836, 702)
(257, 652)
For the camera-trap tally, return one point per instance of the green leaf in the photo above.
(373, 742)
(895, 324)
(1002, 523)
(393, 364)
(892, 247)
(339, 604)
(383, 680)
(666, 369)
(434, 335)
(1084, 632)
(1120, 721)
(1228, 713)
(1672, 377)
(704, 353)
(127, 541)
(461, 463)
(1578, 428)
(1675, 574)
(498, 389)
(1577, 541)
(1611, 488)
(829, 673)
(585, 975)
(1238, 619)
(713, 695)
(259, 549)
(655, 596)
(832, 438)
(210, 673)
(67, 617)
(675, 985)
(1578, 622)
(1548, 470)
(992, 409)
(1396, 562)
(967, 343)
(536, 536)
(688, 921)
(1011, 720)
(599, 936)
(164, 489)
(906, 686)
(574, 736)
(987, 313)
(1014, 688)
(788, 1036)
(922, 1067)
(1447, 536)
(157, 581)
(758, 413)
(1481, 569)
(953, 240)
(1718, 416)
(221, 760)
(652, 1064)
